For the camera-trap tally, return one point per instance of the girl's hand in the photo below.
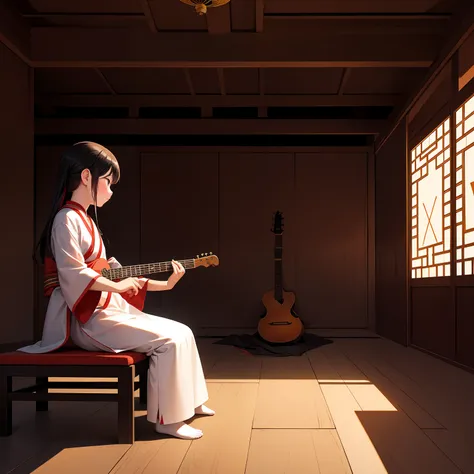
(178, 273)
(131, 286)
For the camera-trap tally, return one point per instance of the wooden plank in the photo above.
(241, 368)
(289, 396)
(206, 126)
(418, 375)
(296, 452)
(48, 438)
(398, 398)
(90, 459)
(218, 20)
(362, 455)
(225, 443)
(109, 47)
(147, 457)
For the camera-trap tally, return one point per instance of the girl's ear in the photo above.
(85, 177)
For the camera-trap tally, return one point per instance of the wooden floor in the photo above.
(360, 405)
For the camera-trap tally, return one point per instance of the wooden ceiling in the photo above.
(270, 55)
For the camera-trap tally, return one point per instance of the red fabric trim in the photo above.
(95, 340)
(87, 303)
(71, 357)
(76, 204)
(137, 300)
(107, 301)
(161, 420)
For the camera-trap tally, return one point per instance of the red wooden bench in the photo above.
(74, 363)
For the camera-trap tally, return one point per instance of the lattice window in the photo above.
(430, 204)
(465, 188)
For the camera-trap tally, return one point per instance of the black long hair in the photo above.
(83, 155)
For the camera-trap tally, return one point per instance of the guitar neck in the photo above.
(145, 269)
(278, 267)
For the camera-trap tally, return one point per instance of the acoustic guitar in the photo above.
(280, 324)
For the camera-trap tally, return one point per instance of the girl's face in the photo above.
(104, 193)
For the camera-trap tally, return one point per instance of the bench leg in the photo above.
(5, 404)
(143, 385)
(42, 405)
(126, 409)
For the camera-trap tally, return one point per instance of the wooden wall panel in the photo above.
(252, 187)
(465, 326)
(179, 219)
(390, 245)
(16, 144)
(46, 164)
(331, 262)
(178, 204)
(432, 320)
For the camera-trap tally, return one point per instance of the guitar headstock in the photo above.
(278, 223)
(206, 260)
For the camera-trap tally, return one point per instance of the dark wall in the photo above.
(177, 203)
(16, 145)
(390, 238)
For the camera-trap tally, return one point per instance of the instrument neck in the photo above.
(278, 259)
(146, 269)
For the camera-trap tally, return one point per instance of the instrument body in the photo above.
(280, 324)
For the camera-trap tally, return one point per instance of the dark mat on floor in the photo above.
(255, 345)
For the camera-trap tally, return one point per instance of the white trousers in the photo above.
(176, 383)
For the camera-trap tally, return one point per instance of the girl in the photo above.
(114, 323)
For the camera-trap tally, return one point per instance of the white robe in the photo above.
(176, 384)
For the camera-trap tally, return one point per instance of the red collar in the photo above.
(74, 204)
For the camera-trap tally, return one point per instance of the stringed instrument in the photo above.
(280, 324)
(102, 266)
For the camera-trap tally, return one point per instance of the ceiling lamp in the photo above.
(201, 6)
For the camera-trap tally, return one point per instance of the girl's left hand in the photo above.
(178, 273)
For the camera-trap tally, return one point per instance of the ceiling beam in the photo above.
(218, 20)
(259, 15)
(149, 16)
(221, 79)
(73, 47)
(105, 81)
(360, 16)
(46, 126)
(14, 32)
(189, 81)
(344, 79)
(151, 100)
(461, 29)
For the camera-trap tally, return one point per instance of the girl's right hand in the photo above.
(130, 285)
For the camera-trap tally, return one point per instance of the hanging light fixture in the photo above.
(201, 6)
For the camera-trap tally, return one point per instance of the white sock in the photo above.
(179, 430)
(204, 410)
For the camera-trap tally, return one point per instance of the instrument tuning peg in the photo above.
(202, 255)
(206, 254)
(210, 253)
(197, 256)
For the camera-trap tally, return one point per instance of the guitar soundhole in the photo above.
(280, 323)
